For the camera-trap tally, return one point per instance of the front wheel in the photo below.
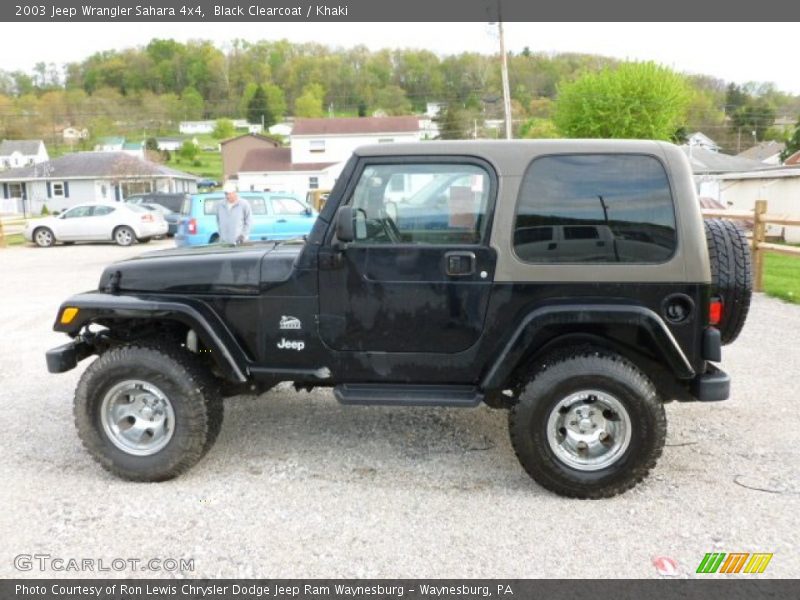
(588, 425)
(44, 237)
(147, 412)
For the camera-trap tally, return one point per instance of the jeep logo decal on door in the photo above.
(290, 323)
(285, 344)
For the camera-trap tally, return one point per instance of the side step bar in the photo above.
(399, 394)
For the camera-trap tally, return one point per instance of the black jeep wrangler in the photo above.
(571, 282)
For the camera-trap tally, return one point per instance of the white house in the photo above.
(318, 150)
(86, 177)
(20, 153)
(780, 187)
(700, 140)
(109, 144)
(768, 153)
(282, 129)
(173, 144)
(207, 126)
(73, 135)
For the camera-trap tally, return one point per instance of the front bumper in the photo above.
(67, 356)
(712, 386)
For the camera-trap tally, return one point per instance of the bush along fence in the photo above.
(760, 219)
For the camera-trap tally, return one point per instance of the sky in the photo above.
(737, 52)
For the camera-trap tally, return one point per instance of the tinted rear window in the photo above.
(610, 208)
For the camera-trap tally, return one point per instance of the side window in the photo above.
(210, 205)
(436, 204)
(257, 205)
(601, 208)
(101, 211)
(78, 211)
(287, 206)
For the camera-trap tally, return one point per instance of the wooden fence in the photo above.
(760, 218)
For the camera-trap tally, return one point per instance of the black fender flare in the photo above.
(528, 334)
(212, 331)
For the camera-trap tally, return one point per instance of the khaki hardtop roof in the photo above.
(511, 157)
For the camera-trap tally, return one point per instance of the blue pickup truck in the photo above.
(276, 216)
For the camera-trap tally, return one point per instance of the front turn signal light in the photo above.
(69, 315)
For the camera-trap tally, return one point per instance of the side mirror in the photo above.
(345, 224)
(308, 211)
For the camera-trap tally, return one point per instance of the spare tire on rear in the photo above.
(731, 274)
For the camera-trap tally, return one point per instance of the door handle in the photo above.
(459, 264)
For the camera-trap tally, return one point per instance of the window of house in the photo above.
(131, 188)
(603, 208)
(58, 189)
(15, 190)
(445, 204)
(313, 183)
(316, 146)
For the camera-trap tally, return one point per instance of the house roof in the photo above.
(133, 145)
(171, 139)
(773, 173)
(704, 138)
(762, 151)
(26, 147)
(110, 140)
(793, 160)
(265, 138)
(356, 125)
(277, 159)
(706, 161)
(93, 165)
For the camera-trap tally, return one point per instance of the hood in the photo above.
(204, 269)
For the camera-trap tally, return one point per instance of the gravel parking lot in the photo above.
(300, 486)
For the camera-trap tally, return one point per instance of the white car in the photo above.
(122, 223)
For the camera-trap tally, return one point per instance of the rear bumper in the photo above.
(66, 357)
(712, 386)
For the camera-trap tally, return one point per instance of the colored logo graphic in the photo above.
(735, 562)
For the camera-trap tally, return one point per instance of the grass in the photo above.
(210, 165)
(15, 239)
(782, 277)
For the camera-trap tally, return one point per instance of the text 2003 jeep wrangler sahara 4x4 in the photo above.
(572, 282)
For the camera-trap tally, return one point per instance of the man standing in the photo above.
(234, 217)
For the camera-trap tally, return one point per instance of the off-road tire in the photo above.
(564, 374)
(193, 394)
(731, 274)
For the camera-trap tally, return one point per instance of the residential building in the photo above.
(768, 153)
(793, 160)
(134, 149)
(282, 129)
(700, 140)
(73, 135)
(20, 153)
(235, 150)
(318, 150)
(86, 177)
(207, 126)
(109, 144)
(706, 161)
(173, 144)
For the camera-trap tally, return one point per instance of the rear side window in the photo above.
(210, 205)
(186, 207)
(600, 208)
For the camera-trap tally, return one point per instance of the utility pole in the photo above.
(504, 59)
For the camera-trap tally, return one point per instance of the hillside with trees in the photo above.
(146, 91)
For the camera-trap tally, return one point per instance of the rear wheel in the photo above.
(731, 274)
(43, 237)
(124, 235)
(147, 412)
(214, 239)
(589, 425)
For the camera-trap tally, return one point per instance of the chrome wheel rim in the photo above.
(44, 237)
(589, 430)
(124, 237)
(137, 417)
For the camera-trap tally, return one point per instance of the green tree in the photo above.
(309, 104)
(392, 100)
(192, 103)
(258, 110)
(792, 144)
(151, 144)
(276, 101)
(188, 151)
(223, 129)
(633, 100)
(454, 123)
(538, 128)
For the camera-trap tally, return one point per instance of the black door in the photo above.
(419, 274)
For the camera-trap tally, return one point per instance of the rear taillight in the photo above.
(147, 218)
(715, 311)
(191, 226)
